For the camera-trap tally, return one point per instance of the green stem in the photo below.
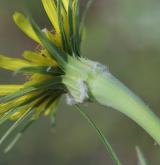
(109, 91)
(101, 136)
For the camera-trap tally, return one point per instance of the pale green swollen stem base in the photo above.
(109, 91)
(103, 87)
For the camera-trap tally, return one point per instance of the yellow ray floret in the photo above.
(8, 89)
(65, 21)
(12, 64)
(53, 36)
(4, 107)
(52, 108)
(20, 113)
(17, 115)
(37, 78)
(24, 24)
(66, 3)
(39, 58)
(51, 10)
(41, 109)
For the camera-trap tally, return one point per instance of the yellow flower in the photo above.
(44, 69)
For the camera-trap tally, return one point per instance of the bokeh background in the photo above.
(125, 36)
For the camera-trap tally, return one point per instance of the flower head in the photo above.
(56, 68)
(48, 68)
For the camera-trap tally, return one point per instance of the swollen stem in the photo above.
(109, 91)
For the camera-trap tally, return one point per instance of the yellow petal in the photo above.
(53, 107)
(39, 58)
(48, 34)
(8, 89)
(54, 37)
(66, 3)
(19, 114)
(4, 107)
(65, 22)
(65, 16)
(12, 63)
(20, 100)
(51, 10)
(37, 78)
(24, 24)
(74, 15)
(41, 108)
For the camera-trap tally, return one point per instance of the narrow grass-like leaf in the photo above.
(101, 136)
(54, 83)
(5, 117)
(141, 158)
(88, 5)
(18, 136)
(42, 70)
(20, 107)
(12, 143)
(53, 120)
(61, 26)
(70, 22)
(53, 115)
(14, 126)
(38, 105)
(17, 94)
(76, 26)
(53, 50)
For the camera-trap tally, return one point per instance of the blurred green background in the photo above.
(125, 36)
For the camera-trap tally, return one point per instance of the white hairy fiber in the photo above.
(100, 68)
(96, 67)
(83, 90)
(76, 98)
(70, 100)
